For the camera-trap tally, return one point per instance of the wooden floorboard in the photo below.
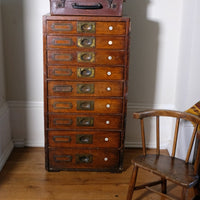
(25, 178)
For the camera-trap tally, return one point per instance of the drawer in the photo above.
(85, 73)
(69, 88)
(61, 105)
(66, 122)
(61, 159)
(100, 57)
(84, 139)
(98, 42)
(86, 27)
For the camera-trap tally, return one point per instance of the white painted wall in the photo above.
(22, 26)
(155, 41)
(159, 41)
(6, 144)
(188, 87)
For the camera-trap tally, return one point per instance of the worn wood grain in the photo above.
(24, 177)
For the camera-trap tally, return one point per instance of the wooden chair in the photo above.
(170, 168)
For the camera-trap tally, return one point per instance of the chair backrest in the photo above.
(169, 113)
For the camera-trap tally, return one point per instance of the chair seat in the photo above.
(174, 169)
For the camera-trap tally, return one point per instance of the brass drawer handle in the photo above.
(85, 121)
(62, 88)
(63, 122)
(84, 158)
(85, 88)
(86, 42)
(85, 105)
(57, 105)
(62, 158)
(86, 27)
(84, 139)
(62, 139)
(62, 72)
(85, 72)
(86, 57)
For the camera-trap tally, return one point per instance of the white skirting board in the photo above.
(6, 153)
(28, 126)
(27, 123)
(6, 143)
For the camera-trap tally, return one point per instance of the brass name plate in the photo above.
(62, 72)
(62, 122)
(62, 57)
(62, 42)
(62, 139)
(62, 105)
(62, 88)
(61, 27)
(62, 158)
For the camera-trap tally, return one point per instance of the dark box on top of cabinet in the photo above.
(86, 7)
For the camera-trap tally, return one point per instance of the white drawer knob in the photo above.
(110, 42)
(106, 139)
(105, 159)
(107, 122)
(109, 57)
(107, 105)
(110, 28)
(108, 88)
(109, 73)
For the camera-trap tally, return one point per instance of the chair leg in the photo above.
(184, 193)
(132, 183)
(164, 186)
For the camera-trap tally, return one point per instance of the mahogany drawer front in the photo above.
(80, 122)
(73, 42)
(86, 27)
(101, 57)
(61, 159)
(61, 105)
(84, 139)
(85, 73)
(69, 88)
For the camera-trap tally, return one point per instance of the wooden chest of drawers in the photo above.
(85, 91)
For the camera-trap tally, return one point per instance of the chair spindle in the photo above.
(158, 135)
(143, 136)
(175, 137)
(191, 143)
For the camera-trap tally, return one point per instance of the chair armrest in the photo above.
(153, 112)
(167, 113)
